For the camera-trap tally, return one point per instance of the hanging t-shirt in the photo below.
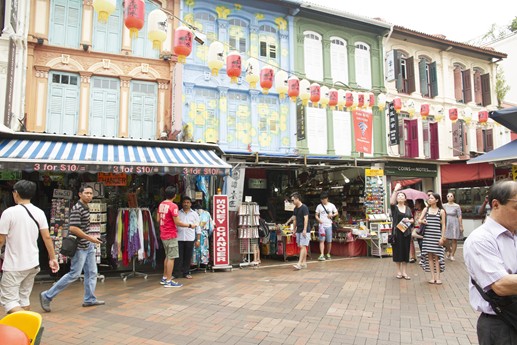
(168, 210)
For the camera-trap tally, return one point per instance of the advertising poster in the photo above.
(363, 123)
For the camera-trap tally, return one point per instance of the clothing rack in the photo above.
(133, 273)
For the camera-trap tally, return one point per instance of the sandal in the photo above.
(406, 277)
(399, 276)
(438, 282)
(188, 276)
(432, 281)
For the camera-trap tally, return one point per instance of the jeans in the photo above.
(83, 259)
(182, 262)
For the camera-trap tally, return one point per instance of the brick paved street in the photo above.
(343, 301)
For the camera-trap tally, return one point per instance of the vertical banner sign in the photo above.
(300, 121)
(221, 235)
(235, 189)
(514, 172)
(363, 123)
(394, 125)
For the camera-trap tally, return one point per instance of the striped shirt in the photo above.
(489, 254)
(80, 217)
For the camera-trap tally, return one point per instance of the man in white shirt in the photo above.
(324, 214)
(187, 238)
(19, 228)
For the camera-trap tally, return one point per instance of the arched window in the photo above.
(206, 23)
(462, 84)
(363, 66)
(428, 77)
(339, 60)
(313, 55)
(238, 30)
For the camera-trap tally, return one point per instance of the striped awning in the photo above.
(66, 157)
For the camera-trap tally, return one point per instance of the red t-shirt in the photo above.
(168, 210)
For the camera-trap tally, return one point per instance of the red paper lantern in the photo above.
(293, 87)
(233, 66)
(360, 100)
(483, 116)
(333, 97)
(315, 93)
(134, 16)
(182, 43)
(371, 100)
(266, 79)
(424, 110)
(397, 104)
(349, 97)
(453, 114)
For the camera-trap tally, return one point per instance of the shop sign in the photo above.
(374, 172)
(363, 123)
(110, 179)
(514, 172)
(10, 175)
(390, 65)
(257, 183)
(221, 236)
(300, 121)
(62, 194)
(410, 169)
(11, 65)
(394, 125)
(235, 187)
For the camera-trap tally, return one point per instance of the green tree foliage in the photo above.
(513, 26)
(501, 88)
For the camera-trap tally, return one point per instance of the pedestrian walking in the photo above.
(19, 228)
(325, 212)
(188, 237)
(402, 219)
(433, 216)
(489, 254)
(300, 220)
(454, 226)
(169, 220)
(84, 258)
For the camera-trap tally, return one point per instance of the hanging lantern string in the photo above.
(194, 28)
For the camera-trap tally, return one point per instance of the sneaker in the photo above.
(328, 256)
(321, 258)
(163, 281)
(93, 304)
(297, 267)
(172, 284)
(304, 266)
(45, 303)
(451, 258)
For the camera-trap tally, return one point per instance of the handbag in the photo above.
(69, 246)
(391, 239)
(504, 306)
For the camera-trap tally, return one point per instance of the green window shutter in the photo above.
(398, 71)
(485, 87)
(410, 63)
(422, 64)
(433, 75)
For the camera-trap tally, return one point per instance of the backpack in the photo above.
(263, 230)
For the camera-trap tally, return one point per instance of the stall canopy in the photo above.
(506, 152)
(507, 117)
(454, 173)
(83, 154)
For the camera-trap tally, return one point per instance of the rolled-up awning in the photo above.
(461, 172)
(506, 152)
(113, 156)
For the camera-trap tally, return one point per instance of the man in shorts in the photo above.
(169, 219)
(19, 229)
(301, 224)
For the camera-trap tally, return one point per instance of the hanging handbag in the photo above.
(504, 306)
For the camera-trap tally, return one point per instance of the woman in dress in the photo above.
(454, 226)
(433, 216)
(400, 212)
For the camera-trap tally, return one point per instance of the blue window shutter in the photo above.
(104, 107)
(63, 105)
(107, 37)
(71, 109)
(73, 28)
(142, 118)
(54, 113)
(141, 45)
(58, 23)
(65, 23)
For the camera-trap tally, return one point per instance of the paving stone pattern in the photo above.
(343, 301)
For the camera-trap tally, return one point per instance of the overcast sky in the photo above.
(436, 16)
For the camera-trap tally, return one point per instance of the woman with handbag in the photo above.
(401, 231)
(324, 214)
(431, 260)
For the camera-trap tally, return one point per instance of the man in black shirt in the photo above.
(301, 224)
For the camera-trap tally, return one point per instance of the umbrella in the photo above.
(507, 117)
(413, 194)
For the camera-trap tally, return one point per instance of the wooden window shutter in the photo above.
(489, 139)
(457, 143)
(467, 86)
(422, 64)
(433, 74)
(479, 140)
(478, 89)
(458, 92)
(410, 64)
(485, 87)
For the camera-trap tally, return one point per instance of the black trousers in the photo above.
(494, 331)
(182, 263)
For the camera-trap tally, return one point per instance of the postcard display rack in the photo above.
(378, 220)
(59, 219)
(249, 214)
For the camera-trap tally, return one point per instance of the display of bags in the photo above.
(69, 246)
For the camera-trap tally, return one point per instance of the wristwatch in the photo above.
(189, 226)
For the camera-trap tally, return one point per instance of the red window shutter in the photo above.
(467, 87)
(478, 94)
(410, 65)
(485, 87)
(413, 126)
(458, 91)
(433, 133)
(479, 140)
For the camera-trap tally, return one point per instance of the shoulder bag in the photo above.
(30, 215)
(504, 306)
(334, 224)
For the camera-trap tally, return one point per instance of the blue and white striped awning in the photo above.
(62, 156)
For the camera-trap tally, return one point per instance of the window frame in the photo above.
(243, 42)
(317, 39)
(333, 53)
(358, 51)
(270, 43)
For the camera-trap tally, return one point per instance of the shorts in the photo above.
(328, 233)
(171, 248)
(303, 241)
(16, 288)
